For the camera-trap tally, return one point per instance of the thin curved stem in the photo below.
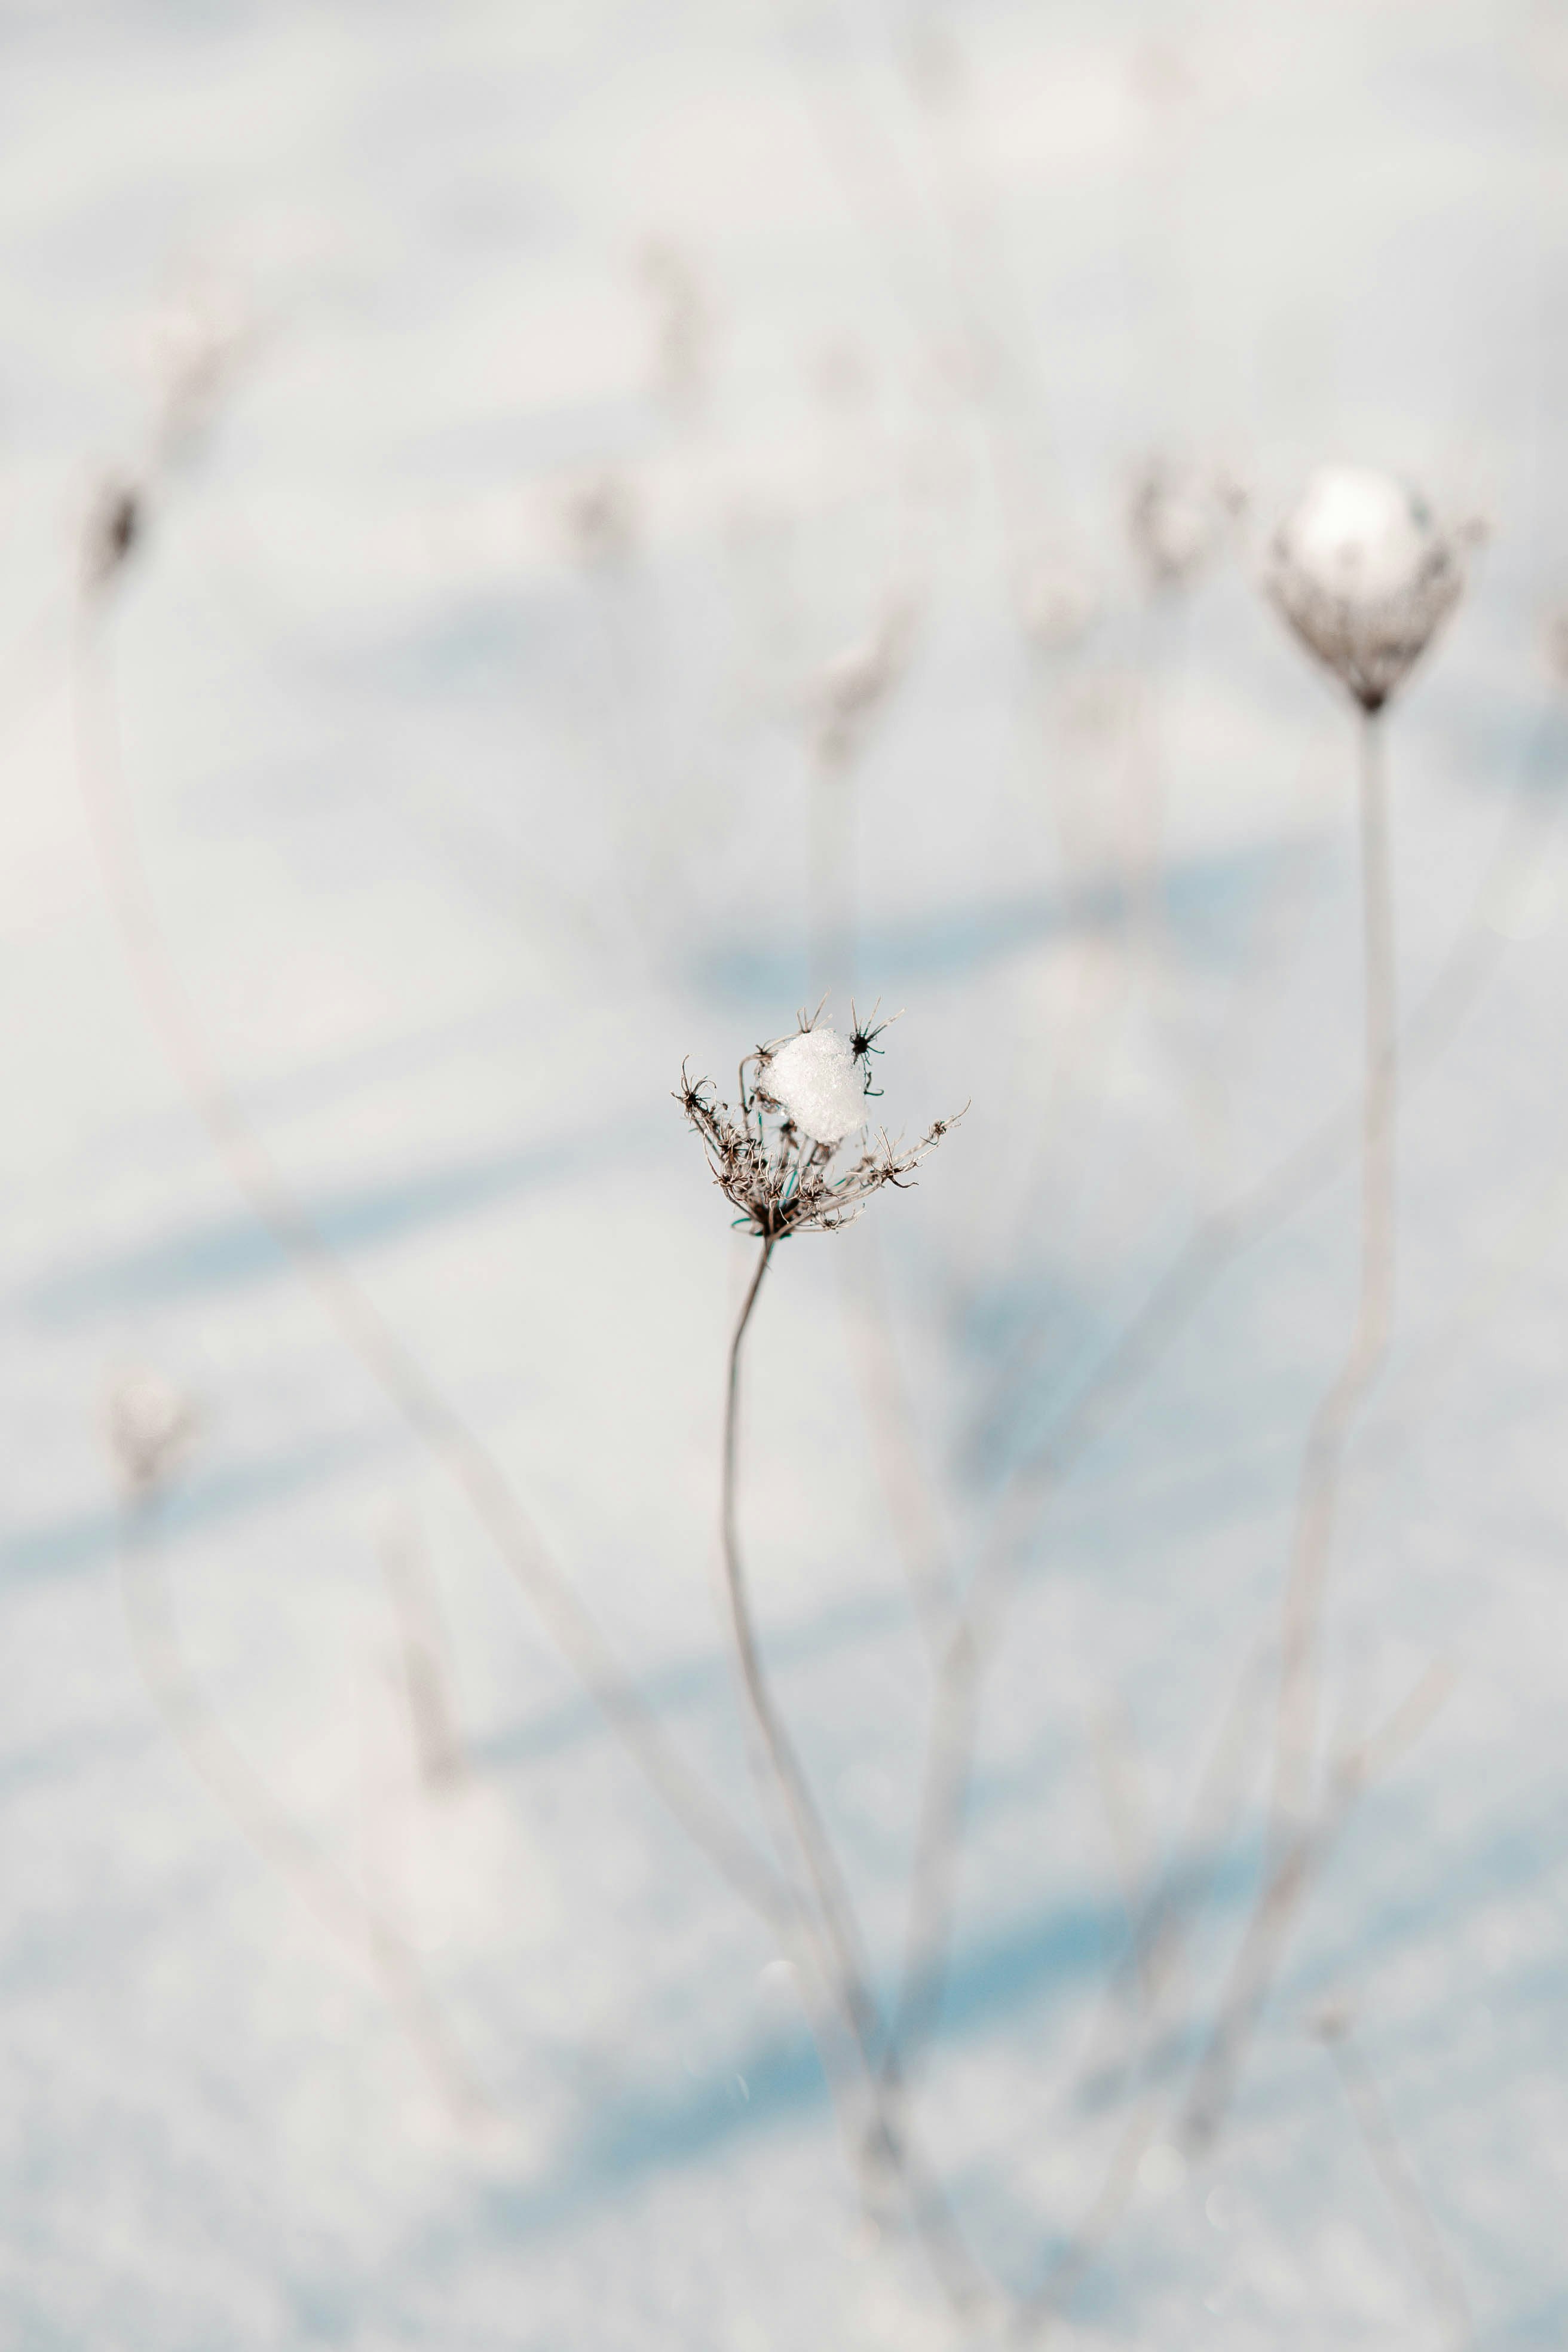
(468, 1462)
(787, 1774)
(830, 1928)
(1216, 1245)
(1301, 1629)
(1297, 1829)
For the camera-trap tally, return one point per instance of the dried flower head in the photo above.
(1365, 576)
(195, 342)
(115, 526)
(150, 1425)
(854, 684)
(1174, 518)
(776, 1153)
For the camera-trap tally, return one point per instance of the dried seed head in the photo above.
(195, 342)
(1365, 576)
(1174, 518)
(854, 684)
(150, 1425)
(115, 527)
(776, 1154)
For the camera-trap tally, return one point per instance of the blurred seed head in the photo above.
(150, 1426)
(1330, 2019)
(1365, 576)
(857, 683)
(116, 526)
(1176, 519)
(600, 516)
(194, 342)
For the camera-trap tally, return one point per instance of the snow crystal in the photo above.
(817, 1080)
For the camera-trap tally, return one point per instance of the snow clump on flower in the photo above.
(774, 1153)
(818, 1083)
(1365, 576)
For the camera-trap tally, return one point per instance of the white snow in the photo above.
(1359, 535)
(815, 1078)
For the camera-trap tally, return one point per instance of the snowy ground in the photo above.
(610, 371)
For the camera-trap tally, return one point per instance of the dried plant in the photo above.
(600, 516)
(1365, 576)
(855, 684)
(197, 341)
(1175, 515)
(396, 1369)
(775, 1153)
(150, 1426)
(116, 526)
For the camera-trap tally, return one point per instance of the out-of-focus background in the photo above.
(600, 470)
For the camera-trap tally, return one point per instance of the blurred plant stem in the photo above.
(218, 1762)
(1297, 1815)
(827, 1918)
(464, 1456)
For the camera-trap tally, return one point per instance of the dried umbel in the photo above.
(1365, 576)
(778, 1153)
(115, 527)
(855, 684)
(1174, 516)
(150, 1425)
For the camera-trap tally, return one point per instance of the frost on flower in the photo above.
(776, 1153)
(818, 1082)
(1365, 576)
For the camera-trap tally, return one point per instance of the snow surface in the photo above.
(467, 681)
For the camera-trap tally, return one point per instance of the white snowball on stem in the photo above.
(1359, 535)
(817, 1080)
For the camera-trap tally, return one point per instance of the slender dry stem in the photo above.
(1412, 2214)
(830, 1927)
(1295, 1733)
(1298, 1826)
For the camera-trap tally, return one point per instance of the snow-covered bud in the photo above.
(818, 1083)
(1365, 576)
(150, 1425)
